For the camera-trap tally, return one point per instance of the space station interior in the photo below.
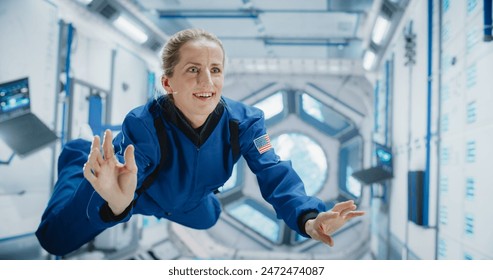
(383, 102)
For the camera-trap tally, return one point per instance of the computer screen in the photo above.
(384, 156)
(20, 129)
(381, 170)
(14, 98)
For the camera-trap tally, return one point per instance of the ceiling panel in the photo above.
(191, 4)
(305, 30)
(303, 25)
(353, 50)
(300, 51)
(287, 5)
(261, 30)
(350, 5)
(245, 48)
(227, 27)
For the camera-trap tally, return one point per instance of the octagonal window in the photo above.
(257, 217)
(307, 156)
(323, 117)
(273, 107)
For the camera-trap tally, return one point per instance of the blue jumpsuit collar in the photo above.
(173, 115)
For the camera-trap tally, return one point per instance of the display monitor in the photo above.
(20, 129)
(382, 170)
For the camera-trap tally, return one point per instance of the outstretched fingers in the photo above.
(354, 214)
(129, 157)
(94, 160)
(108, 151)
(88, 174)
(95, 152)
(324, 217)
(347, 210)
(96, 142)
(341, 206)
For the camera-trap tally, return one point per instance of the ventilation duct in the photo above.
(105, 9)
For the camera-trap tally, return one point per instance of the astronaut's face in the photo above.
(197, 80)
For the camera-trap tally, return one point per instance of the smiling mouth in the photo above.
(204, 95)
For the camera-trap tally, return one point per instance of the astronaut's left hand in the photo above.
(326, 223)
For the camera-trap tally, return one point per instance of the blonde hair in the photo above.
(170, 55)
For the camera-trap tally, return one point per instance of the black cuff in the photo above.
(107, 215)
(309, 215)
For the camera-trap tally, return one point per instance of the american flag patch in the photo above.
(263, 143)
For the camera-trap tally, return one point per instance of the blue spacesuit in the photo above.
(196, 162)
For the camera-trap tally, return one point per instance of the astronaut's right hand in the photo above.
(326, 223)
(115, 182)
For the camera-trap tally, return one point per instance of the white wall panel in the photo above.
(475, 48)
(467, 141)
(91, 60)
(448, 248)
(410, 130)
(24, 53)
(451, 200)
(421, 241)
(129, 85)
(398, 198)
(470, 253)
(454, 18)
(479, 204)
(400, 97)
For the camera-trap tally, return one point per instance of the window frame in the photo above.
(277, 118)
(268, 213)
(342, 175)
(322, 126)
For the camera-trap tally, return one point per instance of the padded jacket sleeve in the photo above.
(76, 213)
(279, 184)
(71, 218)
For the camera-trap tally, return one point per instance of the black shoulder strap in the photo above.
(234, 130)
(163, 146)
